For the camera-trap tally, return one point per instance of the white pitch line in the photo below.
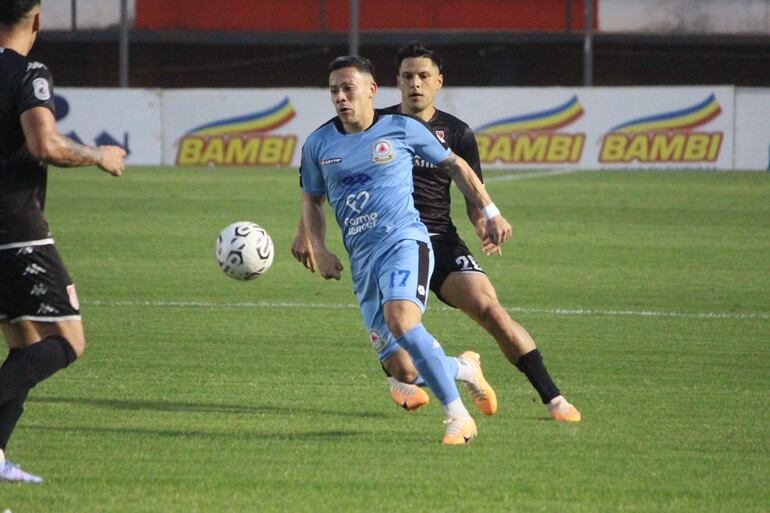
(516, 309)
(527, 176)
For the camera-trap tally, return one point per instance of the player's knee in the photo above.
(76, 338)
(492, 313)
(78, 345)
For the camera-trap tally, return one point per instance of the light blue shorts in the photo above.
(403, 272)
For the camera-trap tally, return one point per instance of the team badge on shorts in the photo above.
(382, 151)
(73, 295)
(378, 343)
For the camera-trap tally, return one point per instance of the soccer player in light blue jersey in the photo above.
(361, 160)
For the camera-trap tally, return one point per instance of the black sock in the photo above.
(26, 367)
(10, 413)
(531, 364)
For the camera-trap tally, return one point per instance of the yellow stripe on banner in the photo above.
(673, 123)
(537, 124)
(254, 125)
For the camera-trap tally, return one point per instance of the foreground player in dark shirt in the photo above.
(39, 310)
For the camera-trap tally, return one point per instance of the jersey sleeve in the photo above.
(424, 141)
(36, 89)
(467, 148)
(310, 176)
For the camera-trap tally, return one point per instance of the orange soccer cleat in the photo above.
(481, 391)
(459, 430)
(409, 397)
(561, 410)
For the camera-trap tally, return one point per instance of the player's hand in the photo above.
(498, 230)
(487, 246)
(328, 265)
(113, 160)
(303, 251)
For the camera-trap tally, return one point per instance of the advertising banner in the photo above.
(616, 128)
(660, 127)
(129, 118)
(516, 128)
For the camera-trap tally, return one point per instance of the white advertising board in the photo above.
(666, 127)
(752, 129)
(125, 117)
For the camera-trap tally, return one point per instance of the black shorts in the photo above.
(451, 256)
(36, 286)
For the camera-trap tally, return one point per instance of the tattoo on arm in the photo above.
(76, 155)
(449, 163)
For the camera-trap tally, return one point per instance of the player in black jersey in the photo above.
(39, 310)
(457, 279)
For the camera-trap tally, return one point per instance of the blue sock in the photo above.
(430, 360)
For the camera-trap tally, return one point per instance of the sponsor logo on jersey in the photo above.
(35, 65)
(382, 152)
(241, 141)
(329, 162)
(533, 138)
(665, 137)
(359, 222)
(440, 135)
(352, 180)
(42, 89)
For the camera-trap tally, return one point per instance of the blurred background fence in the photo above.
(264, 43)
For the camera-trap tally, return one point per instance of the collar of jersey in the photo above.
(341, 129)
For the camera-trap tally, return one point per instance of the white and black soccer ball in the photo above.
(244, 251)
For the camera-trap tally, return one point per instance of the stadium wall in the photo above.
(596, 128)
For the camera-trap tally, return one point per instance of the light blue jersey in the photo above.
(367, 178)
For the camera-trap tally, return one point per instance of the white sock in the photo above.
(456, 409)
(556, 401)
(465, 371)
(2, 457)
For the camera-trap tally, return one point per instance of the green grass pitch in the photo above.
(647, 292)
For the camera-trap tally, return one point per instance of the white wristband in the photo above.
(490, 211)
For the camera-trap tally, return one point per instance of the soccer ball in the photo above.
(244, 251)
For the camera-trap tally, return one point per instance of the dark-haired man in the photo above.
(362, 161)
(39, 310)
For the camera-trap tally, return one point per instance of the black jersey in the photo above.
(431, 185)
(23, 84)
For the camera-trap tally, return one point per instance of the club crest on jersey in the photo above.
(73, 295)
(382, 151)
(378, 342)
(42, 91)
(440, 135)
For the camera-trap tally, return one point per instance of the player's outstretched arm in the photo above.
(498, 229)
(314, 219)
(44, 142)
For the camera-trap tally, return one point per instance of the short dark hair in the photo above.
(415, 49)
(352, 61)
(13, 11)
